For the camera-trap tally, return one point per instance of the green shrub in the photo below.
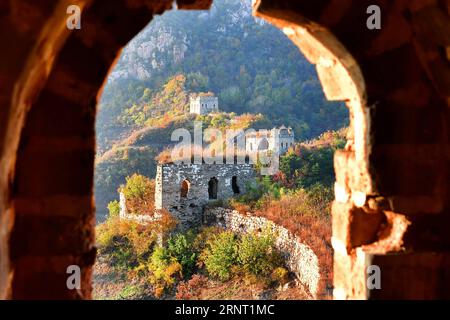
(280, 275)
(139, 192)
(165, 270)
(129, 292)
(180, 247)
(259, 191)
(114, 208)
(123, 256)
(174, 262)
(202, 238)
(159, 261)
(257, 254)
(220, 255)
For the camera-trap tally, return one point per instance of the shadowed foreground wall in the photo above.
(392, 203)
(53, 79)
(392, 189)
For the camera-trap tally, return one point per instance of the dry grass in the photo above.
(142, 203)
(237, 288)
(308, 218)
(141, 236)
(304, 218)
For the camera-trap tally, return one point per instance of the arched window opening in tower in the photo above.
(212, 188)
(185, 186)
(234, 185)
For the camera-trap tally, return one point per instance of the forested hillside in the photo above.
(254, 69)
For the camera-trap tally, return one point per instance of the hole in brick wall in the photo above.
(234, 185)
(263, 144)
(184, 190)
(213, 185)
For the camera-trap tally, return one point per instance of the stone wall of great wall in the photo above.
(300, 259)
(185, 191)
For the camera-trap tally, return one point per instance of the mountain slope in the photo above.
(252, 67)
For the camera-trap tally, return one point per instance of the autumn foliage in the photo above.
(139, 192)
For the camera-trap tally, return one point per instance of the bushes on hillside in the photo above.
(252, 254)
(164, 268)
(223, 255)
(181, 248)
(132, 249)
(191, 289)
(220, 255)
(174, 261)
(114, 208)
(262, 187)
(127, 243)
(257, 254)
(307, 164)
(139, 192)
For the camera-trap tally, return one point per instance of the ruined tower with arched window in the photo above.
(203, 103)
(277, 140)
(184, 189)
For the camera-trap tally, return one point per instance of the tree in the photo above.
(114, 208)
(220, 255)
(139, 193)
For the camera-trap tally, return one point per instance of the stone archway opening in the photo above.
(213, 187)
(53, 95)
(184, 190)
(263, 144)
(235, 186)
(47, 163)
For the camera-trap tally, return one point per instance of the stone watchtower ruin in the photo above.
(204, 103)
(277, 140)
(185, 189)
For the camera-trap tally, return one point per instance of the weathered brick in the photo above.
(413, 276)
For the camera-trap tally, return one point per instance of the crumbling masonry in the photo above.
(185, 189)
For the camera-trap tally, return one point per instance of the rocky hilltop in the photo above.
(168, 39)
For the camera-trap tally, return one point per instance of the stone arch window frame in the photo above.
(341, 79)
(41, 66)
(213, 188)
(266, 143)
(185, 188)
(294, 29)
(234, 185)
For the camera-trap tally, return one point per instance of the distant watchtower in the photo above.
(277, 139)
(204, 103)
